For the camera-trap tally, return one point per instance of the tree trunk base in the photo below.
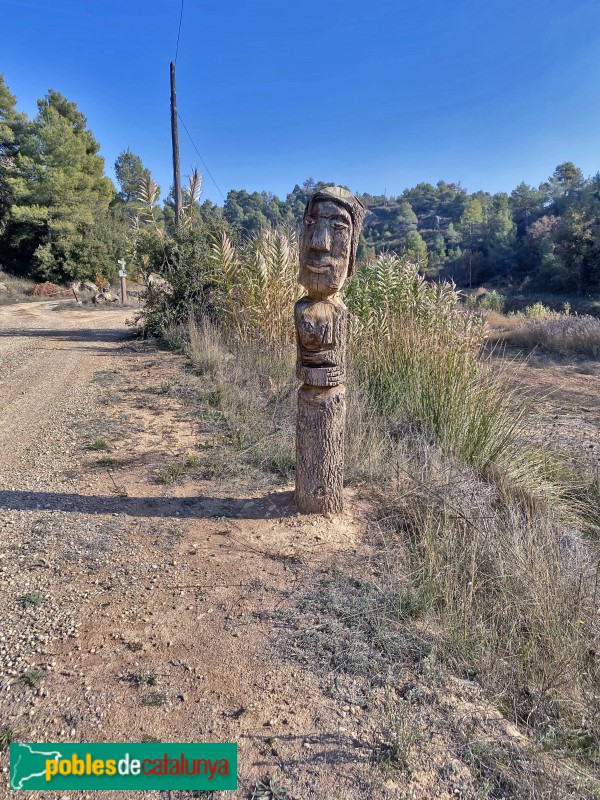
(320, 449)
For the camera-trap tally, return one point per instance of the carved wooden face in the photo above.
(325, 244)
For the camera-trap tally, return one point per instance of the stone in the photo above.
(328, 242)
(88, 286)
(3, 288)
(155, 281)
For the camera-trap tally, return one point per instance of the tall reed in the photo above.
(258, 286)
(419, 353)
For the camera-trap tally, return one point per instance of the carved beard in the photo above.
(316, 324)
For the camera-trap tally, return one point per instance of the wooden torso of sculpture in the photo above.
(321, 333)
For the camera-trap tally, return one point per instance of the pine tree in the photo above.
(500, 241)
(11, 126)
(60, 194)
(416, 249)
(130, 173)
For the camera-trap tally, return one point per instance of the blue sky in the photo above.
(376, 95)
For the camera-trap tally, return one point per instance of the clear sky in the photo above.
(376, 95)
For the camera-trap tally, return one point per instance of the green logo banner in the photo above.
(123, 766)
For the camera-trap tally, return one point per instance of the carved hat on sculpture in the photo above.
(354, 207)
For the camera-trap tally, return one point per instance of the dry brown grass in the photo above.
(18, 289)
(500, 323)
(514, 591)
(48, 290)
(562, 334)
(566, 335)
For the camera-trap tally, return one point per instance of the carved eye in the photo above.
(309, 221)
(340, 226)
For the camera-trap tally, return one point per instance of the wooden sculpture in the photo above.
(328, 243)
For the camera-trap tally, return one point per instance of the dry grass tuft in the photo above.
(515, 590)
(251, 392)
(564, 334)
(18, 290)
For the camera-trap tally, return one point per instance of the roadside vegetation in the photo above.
(13, 289)
(563, 334)
(488, 543)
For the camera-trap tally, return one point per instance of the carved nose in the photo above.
(321, 240)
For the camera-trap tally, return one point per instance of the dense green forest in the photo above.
(61, 217)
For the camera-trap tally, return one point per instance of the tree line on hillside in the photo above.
(61, 217)
(546, 236)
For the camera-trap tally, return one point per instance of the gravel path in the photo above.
(47, 398)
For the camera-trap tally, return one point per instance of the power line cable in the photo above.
(200, 156)
(181, 120)
(179, 31)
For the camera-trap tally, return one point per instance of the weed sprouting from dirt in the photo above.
(106, 461)
(400, 728)
(145, 677)
(31, 599)
(154, 699)
(8, 735)
(31, 678)
(171, 474)
(99, 444)
(270, 790)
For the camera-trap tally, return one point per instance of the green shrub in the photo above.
(538, 311)
(494, 301)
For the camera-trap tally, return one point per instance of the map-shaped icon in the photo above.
(27, 763)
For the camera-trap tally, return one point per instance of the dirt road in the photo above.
(45, 356)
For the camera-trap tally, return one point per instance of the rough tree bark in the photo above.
(320, 449)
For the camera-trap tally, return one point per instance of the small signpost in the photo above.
(123, 276)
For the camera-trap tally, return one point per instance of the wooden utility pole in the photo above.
(175, 141)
